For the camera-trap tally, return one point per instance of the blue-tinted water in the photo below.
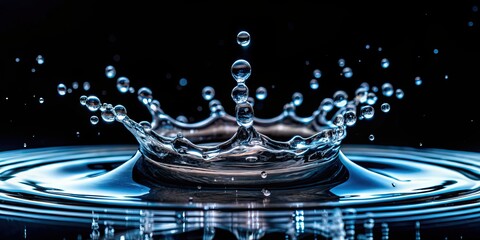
(58, 186)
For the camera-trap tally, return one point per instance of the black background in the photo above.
(155, 45)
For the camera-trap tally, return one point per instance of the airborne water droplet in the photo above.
(341, 62)
(340, 98)
(297, 99)
(145, 95)
(40, 59)
(350, 118)
(86, 86)
(314, 84)
(317, 73)
(385, 63)
(110, 71)
(244, 114)
(261, 93)
(371, 137)
(385, 107)
(61, 89)
(120, 112)
(208, 93)
(92, 103)
(94, 120)
(243, 38)
(418, 81)
(399, 93)
(367, 111)
(123, 84)
(83, 100)
(108, 115)
(241, 70)
(41, 100)
(240, 93)
(263, 174)
(347, 72)
(266, 192)
(387, 89)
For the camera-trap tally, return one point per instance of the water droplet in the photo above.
(183, 82)
(470, 23)
(86, 86)
(120, 112)
(418, 81)
(367, 112)
(182, 118)
(251, 101)
(326, 104)
(145, 95)
(33, 70)
(243, 38)
(385, 63)
(339, 120)
(387, 89)
(17, 59)
(145, 125)
(208, 93)
(399, 93)
(385, 107)
(92, 103)
(41, 100)
(266, 192)
(263, 174)
(317, 73)
(83, 100)
(215, 106)
(350, 118)
(347, 72)
(241, 70)
(24, 145)
(340, 98)
(446, 76)
(123, 84)
(69, 90)
(314, 84)
(40, 59)
(297, 99)
(361, 94)
(131, 89)
(62, 89)
(110, 71)
(94, 120)
(108, 115)
(240, 93)
(341, 62)
(75, 85)
(380, 49)
(435, 51)
(371, 137)
(375, 89)
(244, 114)
(367, 46)
(261, 93)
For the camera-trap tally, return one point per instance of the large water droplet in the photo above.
(399, 93)
(418, 81)
(387, 89)
(40, 59)
(94, 120)
(385, 107)
(110, 71)
(41, 100)
(327, 104)
(297, 99)
(243, 38)
(261, 93)
(385, 63)
(145, 95)
(108, 115)
(317, 73)
(93, 103)
(244, 114)
(347, 72)
(61, 89)
(241, 70)
(120, 112)
(314, 84)
(83, 100)
(350, 118)
(340, 98)
(208, 93)
(240, 93)
(123, 84)
(367, 112)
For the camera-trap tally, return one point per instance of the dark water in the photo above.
(57, 192)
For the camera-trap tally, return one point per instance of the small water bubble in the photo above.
(297, 99)
(266, 192)
(435, 51)
(62, 89)
(110, 71)
(317, 73)
(108, 115)
(183, 82)
(243, 38)
(83, 100)
(244, 114)
(208, 93)
(41, 100)
(240, 93)
(182, 118)
(418, 81)
(145, 95)
(341, 62)
(123, 84)
(263, 174)
(86, 86)
(387, 89)
(347, 72)
(17, 59)
(145, 125)
(120, 112)
(94, 120)
(371, 137)
(340, 98)
(385, 107)
(367, 112)
(261, 93)
(385, 63)
(93, 103)
(241, 70)
(327, 104)
(40, 59)
(350, 118)
(314, 84)
(75, 85)
(399, 93)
